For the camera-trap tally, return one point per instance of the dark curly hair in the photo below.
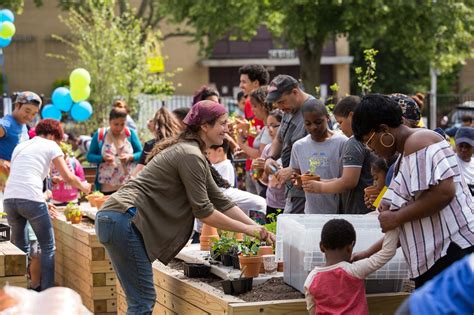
(50, 127)
(373, 111)
(259, 96)
(203, 93)
(117, 113)
(337, 233)
(256, 73)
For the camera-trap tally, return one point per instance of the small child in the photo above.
(339, 287)
(379, 169)
(247, 201)
(62, 193)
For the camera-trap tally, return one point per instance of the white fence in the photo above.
(149, 104)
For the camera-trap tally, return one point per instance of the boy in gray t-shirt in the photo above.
(326, 155)
(323, 149)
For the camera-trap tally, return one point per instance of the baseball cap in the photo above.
(280, 84)
(410, 109)
(27, 97)
(465, 134)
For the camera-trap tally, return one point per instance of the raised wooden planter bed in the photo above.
(178, 295)
(13, 263)
(82, 265)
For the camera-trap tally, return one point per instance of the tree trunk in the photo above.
(310, 64)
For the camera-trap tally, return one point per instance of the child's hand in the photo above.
(359, 255)
(86, 187)
(283, 175)
(53, 211)
(312, 186)
(258, 164)
(56, 180)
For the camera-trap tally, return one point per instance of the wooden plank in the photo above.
(287, 307)
(201, 295)
(18, 281)
(14, 259)
(2, 265)
(385, 303)
(76, 281)
(177, 304)
(110, 278)
(92, 253)
(99, 266)
(112, 305)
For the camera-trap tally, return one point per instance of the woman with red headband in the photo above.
(152, 216)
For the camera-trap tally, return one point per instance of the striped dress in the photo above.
(426, 240)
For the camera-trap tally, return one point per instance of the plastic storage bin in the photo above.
(298, 237)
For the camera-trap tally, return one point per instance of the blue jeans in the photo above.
(126, 249)
(18, 212)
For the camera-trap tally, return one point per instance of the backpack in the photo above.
(102, 132)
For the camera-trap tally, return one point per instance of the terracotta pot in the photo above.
(264, 250)
(239, 236)
(68, 219)
(92, 200)
(100, 201)
(208, 233)
(76, 219)
(280, 267)
(250, 265)
(306, 177)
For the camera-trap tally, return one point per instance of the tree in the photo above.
(440, 32)
(110, 48)
(16, 5)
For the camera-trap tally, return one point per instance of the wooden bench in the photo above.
(13, 262)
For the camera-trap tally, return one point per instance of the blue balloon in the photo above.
(4, 42)
(62, 99)
(49, 111)
(81, 111)
(6, 16)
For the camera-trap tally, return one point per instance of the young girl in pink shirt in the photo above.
(62, 193)
(339, 287)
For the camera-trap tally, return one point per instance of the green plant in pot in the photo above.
(249, 259)
(70, 208)
(222, 248)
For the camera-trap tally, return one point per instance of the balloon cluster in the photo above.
(73, 101)
(7, 28)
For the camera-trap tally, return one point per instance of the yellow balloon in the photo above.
(79, 94)
(7, 30)
(80, 78)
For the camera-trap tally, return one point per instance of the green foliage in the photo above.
(114, 50)
(72, 210)
(271, 226)
(226, 244)
(249, 246)
(17, 5)
(367, 78)
(66, 148)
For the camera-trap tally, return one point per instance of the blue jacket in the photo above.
(95, 151)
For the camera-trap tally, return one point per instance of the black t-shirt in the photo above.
(147, 147)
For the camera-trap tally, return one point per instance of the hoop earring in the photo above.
(385, 145)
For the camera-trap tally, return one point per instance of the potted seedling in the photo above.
(100, 201)
(249, 259)
(71, 206)
(73, 213)
(222, 248)
(271, 226)
(311, 174)
(93, 197)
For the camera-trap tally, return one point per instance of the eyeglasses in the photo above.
(370, 139)
(273, 127)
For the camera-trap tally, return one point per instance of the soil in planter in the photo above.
(273, 289)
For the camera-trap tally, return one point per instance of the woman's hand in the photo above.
(312, 186)
(261, 233)
(125, 158)
(53, 211)
(108, 158)
(388, 220)
(56, 180)
(283, 175)
(86, 187)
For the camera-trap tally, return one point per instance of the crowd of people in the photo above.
(370, 153)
